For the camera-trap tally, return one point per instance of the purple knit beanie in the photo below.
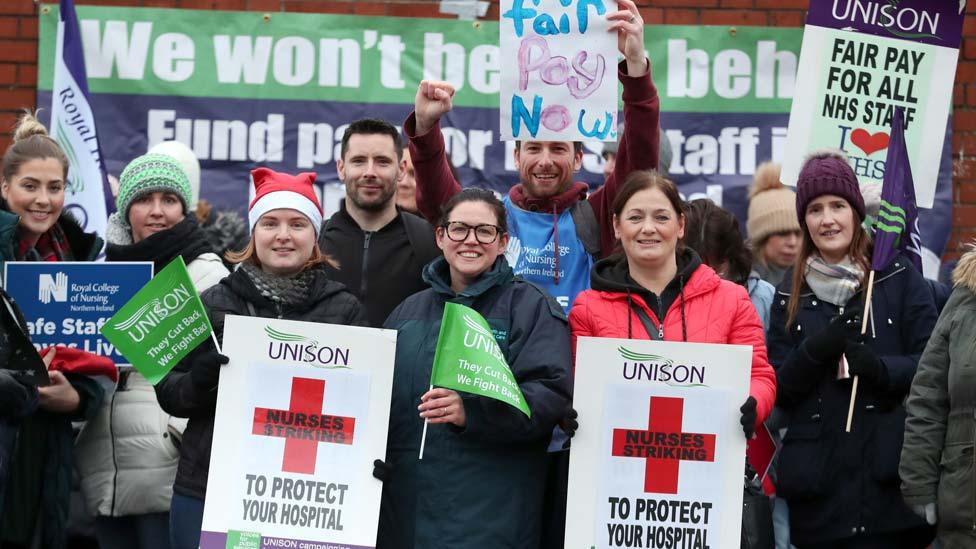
(827, 172)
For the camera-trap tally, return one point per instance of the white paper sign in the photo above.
(858, 62)
(658, 459)
(560, 81)
(302, 412)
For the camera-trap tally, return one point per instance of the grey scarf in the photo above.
(833, 283)
(281, 289)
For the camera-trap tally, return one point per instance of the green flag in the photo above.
(161, 324)
(468, 359)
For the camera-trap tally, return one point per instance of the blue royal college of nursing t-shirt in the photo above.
(532, 253)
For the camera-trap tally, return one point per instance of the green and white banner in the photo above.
(468, 359)
(244, 89)
(161, 324)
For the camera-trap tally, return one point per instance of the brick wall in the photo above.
(18, 60)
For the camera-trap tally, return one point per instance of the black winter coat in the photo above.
(840, 485)
(43, 461)
(17, 399)
(381, 268)
(181, 396)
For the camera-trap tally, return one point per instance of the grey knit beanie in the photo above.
(152, 173)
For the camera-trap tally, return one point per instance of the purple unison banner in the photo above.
(936, 22)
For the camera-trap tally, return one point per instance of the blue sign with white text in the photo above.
(66, 303)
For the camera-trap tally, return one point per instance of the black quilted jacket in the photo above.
(329, 302)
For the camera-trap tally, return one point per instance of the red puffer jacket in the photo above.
(701, 307)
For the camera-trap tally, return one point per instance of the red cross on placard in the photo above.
(663, 445)
(303, 425)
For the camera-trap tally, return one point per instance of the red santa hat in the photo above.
(273, 190)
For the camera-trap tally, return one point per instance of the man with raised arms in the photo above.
(556, 230)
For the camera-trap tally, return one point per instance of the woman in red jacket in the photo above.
(682, 298)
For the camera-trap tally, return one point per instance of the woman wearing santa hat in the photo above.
(280, 274)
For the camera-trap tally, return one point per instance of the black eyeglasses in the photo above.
(458, 231)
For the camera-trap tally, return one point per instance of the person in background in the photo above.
(225, 229)
(35, 227)
(406, 187)
(658, 288)
(484, 459)
(609, 154)
(380, 250)
(772, 226)
(872, 204)
(128, 453)
(406, 193)
(714, 233)
(937, 476)
(843, 488)
(280, 274)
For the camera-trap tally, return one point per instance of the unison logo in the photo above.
(477, 337)
(300, 348)
(642, 366)
(140, 323)
(903, 21)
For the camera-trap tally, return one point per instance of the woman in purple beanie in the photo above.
(843, 488)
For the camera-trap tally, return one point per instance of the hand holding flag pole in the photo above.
(896, 227)
(468, 359)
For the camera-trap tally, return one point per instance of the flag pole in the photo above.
(213, 336)
(864, 330)
(423, 437)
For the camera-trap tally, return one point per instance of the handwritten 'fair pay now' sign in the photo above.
(563, 85)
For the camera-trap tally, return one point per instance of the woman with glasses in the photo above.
(481, 480)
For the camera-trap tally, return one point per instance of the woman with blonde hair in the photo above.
(280, 274)
(34, 226)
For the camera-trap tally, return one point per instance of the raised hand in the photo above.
(434, 99)
(629, 26)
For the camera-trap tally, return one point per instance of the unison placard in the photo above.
(659, 456)
(302, 411)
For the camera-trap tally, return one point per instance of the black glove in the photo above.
(568, 423)
(382, 471)
(862, 362)
(205, 368)
(827, 345)
(748, 418)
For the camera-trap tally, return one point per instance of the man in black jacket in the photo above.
(380, 249)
